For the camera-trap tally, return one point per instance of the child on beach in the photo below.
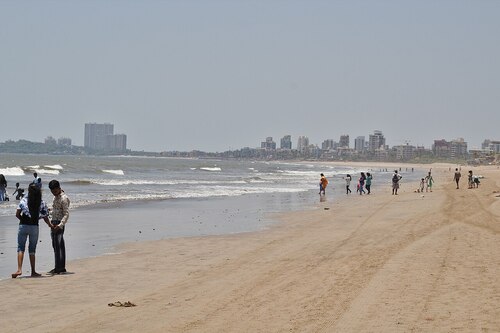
(470, 179)
(19, 191)
(348, 184)
(323, 182)
(422, 184)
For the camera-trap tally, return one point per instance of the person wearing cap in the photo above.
(60, 215)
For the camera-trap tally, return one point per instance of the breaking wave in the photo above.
(114, 172)
(14, 171)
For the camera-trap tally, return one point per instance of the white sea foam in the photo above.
(211, 169)
(46, 172)
(115, 172)
(118, 182)
(14, 171)
(202, 192)
(54, 167)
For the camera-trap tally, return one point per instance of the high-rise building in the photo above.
(344, 141)
(302, 143)
(328, 144)
(458, 148)
(116, 142)
(441, 148)
(405, 152)
(95, 135)
(268, 144)
(359, 144)
(101, 137)
(286, 142)
(494, 146)
(376, 141)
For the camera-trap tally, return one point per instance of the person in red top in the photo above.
(323, 182)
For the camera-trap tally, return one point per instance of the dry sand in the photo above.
(378, 263)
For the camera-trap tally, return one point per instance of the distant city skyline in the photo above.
(97, 136)
(219, 75)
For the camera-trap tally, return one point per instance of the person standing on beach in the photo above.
(37, 181)
(348, 184)
(3, 186)
(470, 179)
(60, 215)
(362, 179)
(323, 183)
(429, 181)
(395, 182)
(30, 210)
(457, 176)
(368, 182)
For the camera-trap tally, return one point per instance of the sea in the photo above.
(186, 197)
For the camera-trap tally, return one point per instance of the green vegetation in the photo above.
(28, 147)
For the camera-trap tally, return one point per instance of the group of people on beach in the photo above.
(365, 181)
(18, 192)
(472, 180)
(30, 210)
(425, 183)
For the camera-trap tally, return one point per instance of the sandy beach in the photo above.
(415, 262)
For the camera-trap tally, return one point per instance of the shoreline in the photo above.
(225, 216)
(98, 230)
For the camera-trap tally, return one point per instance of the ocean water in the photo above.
(126, 199)
(92, 180)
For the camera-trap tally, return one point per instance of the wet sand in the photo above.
(380, 263)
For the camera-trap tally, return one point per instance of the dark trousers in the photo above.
(59, 248)
(368, 188)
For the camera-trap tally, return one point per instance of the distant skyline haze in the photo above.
(219, 75)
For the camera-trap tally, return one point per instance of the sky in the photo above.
(215, 75)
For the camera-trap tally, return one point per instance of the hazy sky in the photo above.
(214, 75)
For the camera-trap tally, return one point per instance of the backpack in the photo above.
(395, 178)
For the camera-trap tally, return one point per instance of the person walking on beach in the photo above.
(323, 183)
(395, 182)
(457, 176)
(422, 185)
(368, 182)
(29, 211)
(37, 181)
(3, 187)
(362, 179)
(60, 215)
(429, 181)
(348, 184)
